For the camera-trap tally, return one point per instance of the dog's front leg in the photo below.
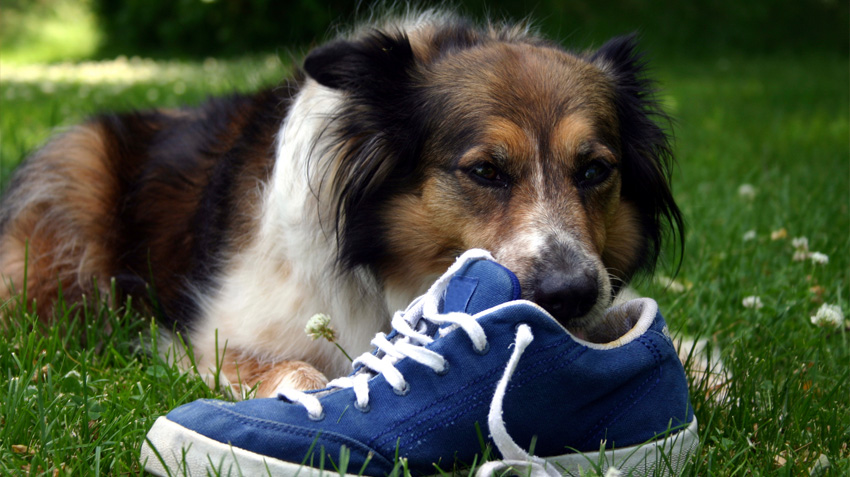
(248, 376)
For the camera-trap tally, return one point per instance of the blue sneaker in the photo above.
(468, 363)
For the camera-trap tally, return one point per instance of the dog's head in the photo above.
(458, 137)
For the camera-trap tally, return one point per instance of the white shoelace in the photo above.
(410, 344)
(514, 457)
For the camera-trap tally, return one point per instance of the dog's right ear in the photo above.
(378, 62)
(645, 143)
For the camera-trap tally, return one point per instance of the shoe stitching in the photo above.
(596, 432)
(478, 397)
(422, 409)
(564, 361)
(471, 403)
(418, 412)
(434, 413)
(631, 400)
(472, 397)
(578, 351)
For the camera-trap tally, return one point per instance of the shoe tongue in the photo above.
(479, 285)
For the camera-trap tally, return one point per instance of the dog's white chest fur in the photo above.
(287, 273)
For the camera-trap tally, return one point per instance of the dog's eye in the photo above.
(488, 174)
(593, 173)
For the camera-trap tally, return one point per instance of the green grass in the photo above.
(777, 123)
(56, 30)
(781, 125)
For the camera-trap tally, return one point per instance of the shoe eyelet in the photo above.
(483, 351)
(516, 326)
(363, 409)
(445, 369)
(320, 417)
(404, 391)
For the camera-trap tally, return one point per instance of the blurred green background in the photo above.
(52, 30)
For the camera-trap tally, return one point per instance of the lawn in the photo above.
(762, 148)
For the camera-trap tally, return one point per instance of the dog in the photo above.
(349, 187)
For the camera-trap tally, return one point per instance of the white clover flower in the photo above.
(752, 302)
(801, 249)
(828, 316)
(676, 286)
(747, 192)
(750, 235)
(800, 243)
(819, 258)
(613, 472)
(318, 326)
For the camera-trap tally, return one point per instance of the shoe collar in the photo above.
(620, 325)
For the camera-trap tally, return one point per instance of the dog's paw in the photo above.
(242, 376)
(291, 375)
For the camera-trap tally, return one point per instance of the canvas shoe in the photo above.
(467, 365)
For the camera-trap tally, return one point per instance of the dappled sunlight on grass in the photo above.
(60, 30)
(38, 98)
(124, 71)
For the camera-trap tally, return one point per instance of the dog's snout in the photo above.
(568, 294)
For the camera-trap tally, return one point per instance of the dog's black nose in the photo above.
(568, 294)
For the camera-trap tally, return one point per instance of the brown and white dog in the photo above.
(350, 187)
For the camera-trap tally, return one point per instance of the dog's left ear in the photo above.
(375, 62)
(647, 159)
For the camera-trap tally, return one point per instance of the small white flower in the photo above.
(750, 235)
(318, 326)
(829, 316)
(819, 258)
(613, 472)
(801, 249)
(747, 192)
(800, 243)
(676, 286)
(752, 302)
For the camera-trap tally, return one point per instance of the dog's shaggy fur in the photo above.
(350, 187)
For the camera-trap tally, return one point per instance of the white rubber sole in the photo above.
(662, 457)
(173, 450)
